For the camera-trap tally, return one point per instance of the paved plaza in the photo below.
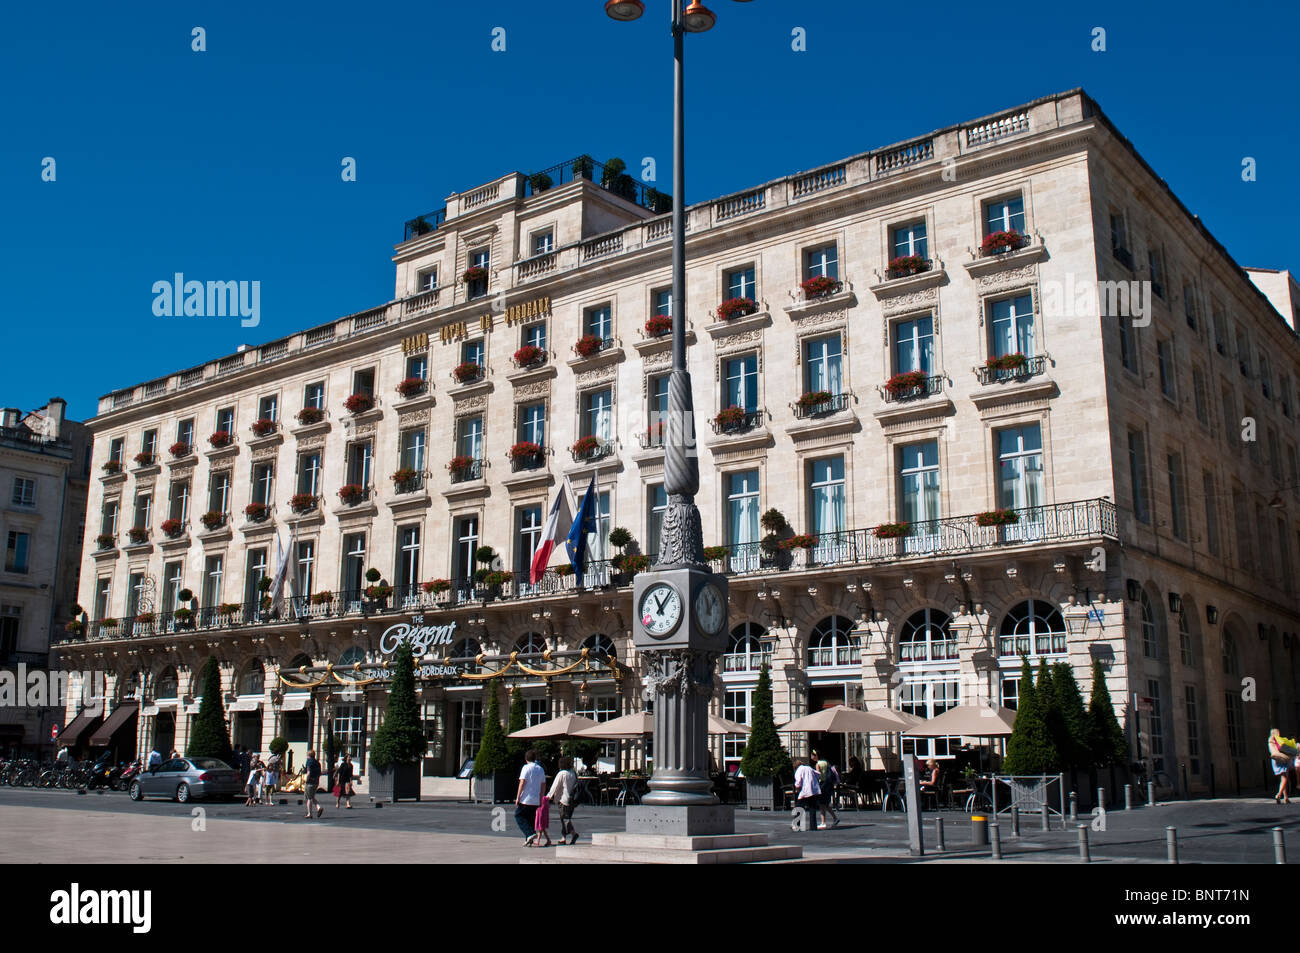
(54, 826)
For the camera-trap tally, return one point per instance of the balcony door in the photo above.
(918, 495)
(1020, 480)
(742, 521)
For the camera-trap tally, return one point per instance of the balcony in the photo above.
(818, 292)
(409, 482)
(590, 449)
(653, 438)
(610, 177)
(465, 469)
(807, 407)
(424, 224)
(527, 460)
(1030, 367)
(924, 386)
(725, 424)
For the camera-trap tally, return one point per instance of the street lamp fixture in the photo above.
(698, 18)
(624, 9)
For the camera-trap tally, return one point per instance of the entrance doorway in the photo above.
(164, 733)
(248, 731)
(828, 745)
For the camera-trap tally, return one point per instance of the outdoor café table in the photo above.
(893, 790)
(584, 795)
(629, 791)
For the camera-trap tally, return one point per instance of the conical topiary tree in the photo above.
(492, 755)
(515, 747)
(400, 739)
(764, 755)
(1107, 743)
(1045, 694)
(209, 737)
(1031, 750)
(1073, 742)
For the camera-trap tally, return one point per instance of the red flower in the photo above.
(359, 403)
(528, 354)
(467, 372)
(736, 308)
(657, 325)
(1008, 240)
(220, 439)
(819, 287)
(589, 344)
(411, 386)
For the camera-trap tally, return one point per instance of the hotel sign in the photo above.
(515, 314)
(417, 635)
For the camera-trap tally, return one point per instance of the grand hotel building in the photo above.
(1151, 464)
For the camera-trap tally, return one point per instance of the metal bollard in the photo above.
(1279, 846)
(1151, 794)
(1171, 844)
(1046, 816)
(1128, 797)
(1101, 798)
(1074, 806)
(938, 834)
(996, 841)
(979, 830)
(1015, 822)
(1083, 844)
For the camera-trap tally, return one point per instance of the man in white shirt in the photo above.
(806, 791)
(531, 781)
(155, 758)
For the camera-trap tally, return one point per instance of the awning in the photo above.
(971, 721)
(71, 735)
(246, 703)
(298, 701)
(566, 726)
(843, 720)
(121, 715)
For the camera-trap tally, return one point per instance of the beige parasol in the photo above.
(971, 721)
(566, 726)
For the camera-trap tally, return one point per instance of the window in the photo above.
(462, 565)
(531, 643)
(737, 706)
(149, 442)
(1177, 496)
(1151, 634)
(742, 516)
(10, 620)
(600, 708)
(213, 571)
(1274, 455)
(1119, 240)
(1293, 465)
(185, 432)
(925, 637)
(1012, 326)
(1243, 351)
(482, 258)
(360, 460)
(354, 566)
(833, 642)
(1128, 352)
(1020, 467)
(255, 571)
(305, 574)
(268, 407)
(1284, 556)
(908, 240)
(173, 576)
(1284, 393)
(108, 519)
(1156, 268)
(1230, 418)
(1220, 330)
(538, 711)
(143, 510)
(473, 352)
(135, 592)
(219, 491)
(469, 437)
(313, 395)
(1032, 627)
(1156, 722)
(1189, 306)
(822, 366)
(532, 423)
(740, 283)
(408, 560)
(599, 322)
(1193, 729)
(1186, 651)
(24, 492)
(226, 420)
(535, 335)
(178, 500)
(543, 241)
(1165, 358)
(1245, 549)
(928, 698)
(1004, 215)
(309, 473)
(742, 382)
(417, 366)
(528, 530)
(918, 486)
(1265, 386)
(363, 381)
(598, 541)
(822, 262)
(263, 479)
(749, 651)
(115, 449)
(657, 410)
(598, 414)
(103, 591)
(1010, 692)
(661, 302)
(914, 345)
(656, 505)
(427, 279)
(16, 551)
(1137, 472)
(471, 717)
(826, 502)
(411, 450)
(1200, 396)
(1252, 446)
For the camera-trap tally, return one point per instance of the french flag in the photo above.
(557, 528)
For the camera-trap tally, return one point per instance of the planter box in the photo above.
(761, 794)
(499, 788)
(394, 783)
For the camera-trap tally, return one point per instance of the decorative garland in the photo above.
(582, 662)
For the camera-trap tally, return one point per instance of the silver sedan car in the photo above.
(181, 779)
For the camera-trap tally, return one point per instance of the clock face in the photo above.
(661, 610)
(710, 610)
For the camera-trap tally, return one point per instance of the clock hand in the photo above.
(660, 603)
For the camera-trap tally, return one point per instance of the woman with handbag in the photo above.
(1282, 751)
(343, 782)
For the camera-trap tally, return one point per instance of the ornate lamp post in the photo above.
(680, 604)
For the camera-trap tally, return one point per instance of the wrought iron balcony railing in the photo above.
(739, 424)
(835, 402)
(993, 375)
(929, 387)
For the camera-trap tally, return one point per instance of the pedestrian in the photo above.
(272, 777)
(254, 785)
(310, 781)
(806, 791)
(827, 778)
(542, 820)
(245, 763)
(1282, 751)
(564, 792)
(529, 796)
(343, 782)
(155, 758)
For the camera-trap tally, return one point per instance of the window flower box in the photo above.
(1007, 362)
(460, 465)
(497, 578)
(905, 266)
(412, 386)
(352, 493)
(892, 530)
(220, 439)
(798, 541)
(228, 608)
(143, 459)
(907, 383)
(406, 480)
(714, 553)
(468, 372)
(658, 325)
(105, 540)
(435, 586)
(997, 518)
(814, 398)
(474, 273)
(630, 564)
(172, 528)
(321, 598)
(359, 403)
(529, 355)
(180, 449)
(213, 520)
(107, 623)
(144, 617)
(819, 287)
(310, 415)
(995, 243)
(256, 512)
(262, 427)
(564, 569)
(589, 345)
(379, 592)
(302, 502)
(730, 417)
(585, 446)
(112, 466)
(525, 449)
(736, 308)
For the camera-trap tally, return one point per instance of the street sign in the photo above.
(1144, 703)
(54, 732)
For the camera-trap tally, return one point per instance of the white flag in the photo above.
(281, 570)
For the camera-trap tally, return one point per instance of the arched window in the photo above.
(1032, 625)
(252, 681)
(351, 656)
(532, 643)
(467, 649)
(1231, 660)
(832, 642)
(1150, 627)
(597, 645)
(749, 650)
(925, 637)
(1186, 649)
(167, 683)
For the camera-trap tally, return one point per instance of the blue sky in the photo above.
(225, 164)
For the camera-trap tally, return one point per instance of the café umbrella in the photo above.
(566, 726)
(642, 723)
(841, 719)
(970, 721)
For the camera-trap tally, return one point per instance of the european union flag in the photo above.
(583, 524)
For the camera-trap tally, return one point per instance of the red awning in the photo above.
(121, 715)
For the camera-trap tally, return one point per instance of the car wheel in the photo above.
(182, 793)
(135, 792)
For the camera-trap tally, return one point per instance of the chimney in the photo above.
(10, 416)
(55, 411)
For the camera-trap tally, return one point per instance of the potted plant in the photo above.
(493, 779)
(525, 453)
(540, 182)
(436, 587)
(736, 308)
(138, 535)
(633, 563)
(1007, 362)
(995, 243)
(563, 570)
(474, 273)
(819, 287)
(145, 618)
(220, 439)
(322, 598)
(185, 595)
(585, 446)
(730, 418)
(891, 530)
(814, 401)
(528, 355)
(584, 166)
(105, 540)
(358, 403)
(228, 610)
(798, 541)
(107, 623)
(352, 493)
(398, 745)
(179, 449)
(998, 518)
(143, 459)
(256, 512)
(404, 479)
(714, 553)
(588, 345)
(112, 466)
(310, 415)
(262, 427)
(764, 762)
(620, 538)
(184, 617)
(907, 384)
(212, 520)
(495, 579)
(172, 528)
(411, 386)
(74, 627)
(658, 325)
(302, 502)
(460, 466)
(905, 265)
